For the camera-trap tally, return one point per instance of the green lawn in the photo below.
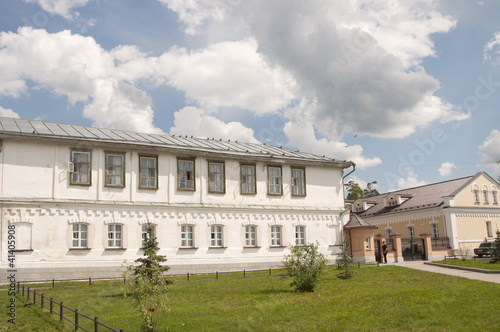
(477, 264)
(389, 298)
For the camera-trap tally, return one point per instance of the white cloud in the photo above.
(194, 121)
(446, 169)
(60, 7)
(490, 153)
(8, 113)
(491, 51)
(410, 181)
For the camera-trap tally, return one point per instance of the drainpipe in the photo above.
(343, 195)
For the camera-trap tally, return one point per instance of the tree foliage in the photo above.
(304, 265)
(370, 189)
(147, 284)
(354, 191)
(496, 254)
(345, 263)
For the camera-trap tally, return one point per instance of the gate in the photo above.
(413, 249)
(378, 257)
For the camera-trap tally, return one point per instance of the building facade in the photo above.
(78, 201)
(431, 221)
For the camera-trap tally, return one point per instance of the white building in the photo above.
(78, 200)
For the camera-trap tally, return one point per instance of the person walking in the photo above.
(384, 251)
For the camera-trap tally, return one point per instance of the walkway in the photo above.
(419, 265)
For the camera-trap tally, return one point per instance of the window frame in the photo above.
(303, 187)
(216, 236)
(148, 187)
(250, 236)
(485, 196)
(145, 233)
(106, 165)
(368, 243)
(411, 232)
(435, 231)
(276, 236)
(476, 196)
(187, 230)
(300, 235)
(114, 232)
(489, 229)
(222, 180)
(244, 182)
(79, 237)
(190, 160)
(494, 194)
(269, 180)
(74, 166)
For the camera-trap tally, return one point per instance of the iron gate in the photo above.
(413, 249)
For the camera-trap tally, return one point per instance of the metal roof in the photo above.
(46, 130)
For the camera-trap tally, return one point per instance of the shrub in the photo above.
(345, 263)
(304, 265)
(496, 253)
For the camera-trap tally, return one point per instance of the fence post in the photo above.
(53, 283)
(76, 319)
(18, 284)
(269, 271)
(61, 311)
(34, 296)
(51, 305)
(96, 324)
(23, 290)
(188, 276)
(359, 265)
(244, 274)
(41, 302)
(216, 274)
(28, 294)
(90, 281)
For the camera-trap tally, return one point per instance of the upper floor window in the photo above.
(114, 236)
(275, 184)
(250, 236)
(80, 168)
(276, 236)
(435, 231)
(216, 236)
(216, 177)
(248, 183)
(300, 235)
(476, 196)
(148, 172)
(187, 238)
(388, 233)
(185, 174)
(298, 181)
(485, 195)
(147, 232)
(495, 196)
(115, 169)
(80, 236)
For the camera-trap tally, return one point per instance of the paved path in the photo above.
(419, 265)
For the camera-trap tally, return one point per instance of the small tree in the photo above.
(148, 285)
(304, 265)
(496, 253)
(345, 262)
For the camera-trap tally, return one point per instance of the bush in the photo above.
(496, 254)
(345, 263)
(304, 265)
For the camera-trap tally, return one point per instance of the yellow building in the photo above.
(427, 222)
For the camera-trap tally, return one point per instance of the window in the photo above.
(250, 236)
(489, 230)
(115, 169)
(485, 194)
(435, 231)
(114, 236)
(216, 236)
(495, 196)
(300, 235)
(476, 196)
(187, 236)
(248, 179)
(411, 232)
(388, 233)
(81, 168)
(145, 234)
(216, 177)
(368, 244)
(275, 236)
(298, 181)
(185, 174)
(148, 170)
(274, 180)
(79, 236)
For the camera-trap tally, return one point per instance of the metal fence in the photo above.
(440, 242)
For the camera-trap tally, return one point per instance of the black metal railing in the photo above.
(440, 242)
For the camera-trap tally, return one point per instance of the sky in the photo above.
(408, 90)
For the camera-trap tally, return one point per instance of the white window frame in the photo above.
(187, 236)
(368, 244)
(248, 179)
(250, 236)
(115, 236)
(494, 193)
(145, 234)
(276, 236)
(476, 196)
(485, 195)
(216, 239)
(148, 176)
(79, 235)
(489, 229)
(186, 174)
(388, 233)
(81, 169)
(216, 177)
(115, 171)
(298, 181)
(411, 232)
(300, 235)
(435, 231)
(275, 180)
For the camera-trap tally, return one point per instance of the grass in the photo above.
(390, 298)
(477, 264)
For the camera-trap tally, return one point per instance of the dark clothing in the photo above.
(384, 251)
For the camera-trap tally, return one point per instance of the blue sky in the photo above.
(409, 90)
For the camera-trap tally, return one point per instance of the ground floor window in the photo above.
(435, 231)
(489, 230)
(216, 236)
(145, 234)
(300, 235)
(114, 236)
(187, 239)
(79, 236)
(275, 236)
(250, 236)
